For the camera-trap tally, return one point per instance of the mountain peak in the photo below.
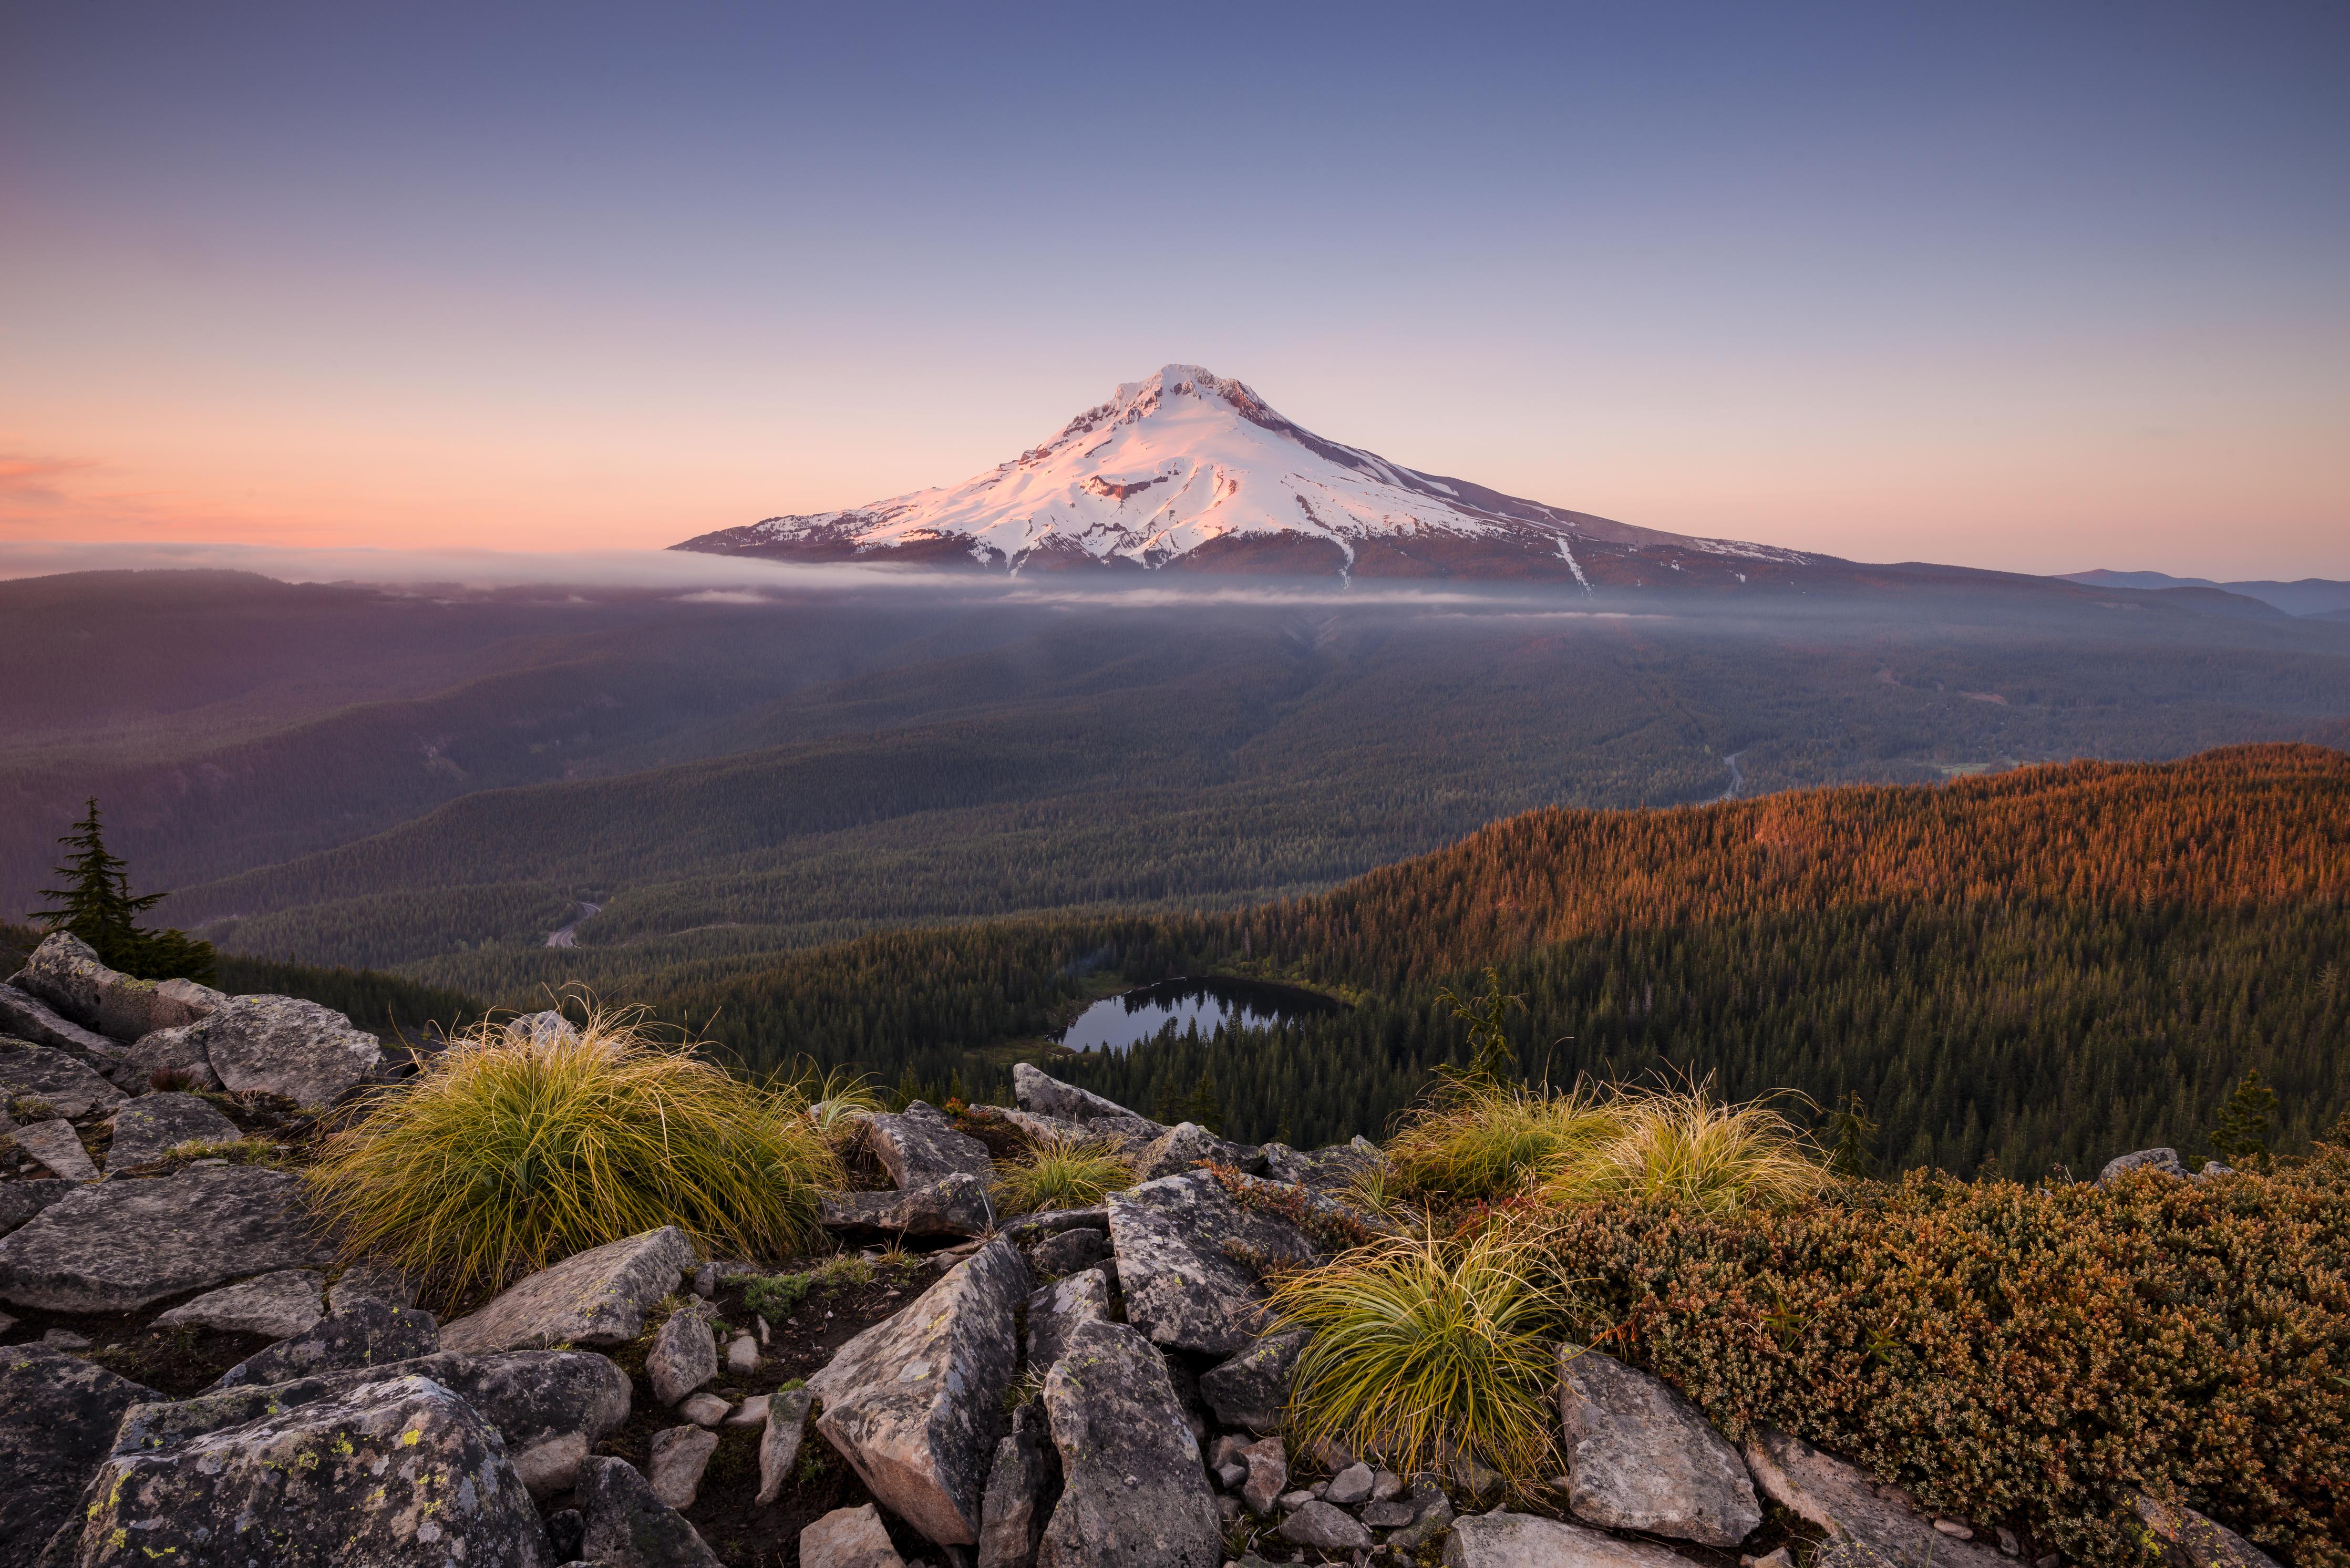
(1189, 469)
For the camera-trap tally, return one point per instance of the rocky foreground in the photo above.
(1097, 1386)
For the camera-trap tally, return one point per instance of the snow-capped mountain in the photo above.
(1187, 470)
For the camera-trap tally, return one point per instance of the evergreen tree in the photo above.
(96, 904)
(1203, 1103)
(1851, 1140)
(2247, 1121)
(1491, 1059)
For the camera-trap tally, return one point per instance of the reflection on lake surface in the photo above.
(1122, 1021)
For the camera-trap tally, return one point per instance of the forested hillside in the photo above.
(2037, 969)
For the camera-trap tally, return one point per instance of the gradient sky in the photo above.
(2039, 286)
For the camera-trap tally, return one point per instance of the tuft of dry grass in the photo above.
(1427, 1349)
(507, 1153)
(1060, 1173)
(1491, 1140)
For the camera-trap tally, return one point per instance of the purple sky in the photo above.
(2042, 286)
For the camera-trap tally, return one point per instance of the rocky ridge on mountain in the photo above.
(1086, 1386)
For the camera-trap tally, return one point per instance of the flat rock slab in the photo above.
(596, 1297)
(364, 1334)
(20, 1200)
(625, 1526)
(1499, 1540)
(1641, 1457)
(116, 1246)
(1054, 1312)
(550, 1406)
(1070, 1251)
(915, 1403)
(373, 1279)
(1040, 1094)
(955, 1204)
(1841, 1499)
(919, 1145)
(286, 1046)
(1251, 1388)
(280, 1305)
(848, 1538)
(66, 973)
(1325, 1526)
(44, 1073)
(397, 1473)
(59, 1148)
(1133, 1492)
(677, 1457)
(151, 1126)
(28, 1018)
(1184, 1288)
(57, 1416)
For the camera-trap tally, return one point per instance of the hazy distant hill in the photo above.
(2309, 596)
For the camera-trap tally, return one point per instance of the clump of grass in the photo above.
(773, 1296)
(1060, 1173)
(170, 1080)
(31, 1108)
(1488, 1140)
(1427, 1349)
(1685, 1148)
(506, 1154)
(837, 1100)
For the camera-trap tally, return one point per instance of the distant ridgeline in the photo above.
(2041, 968)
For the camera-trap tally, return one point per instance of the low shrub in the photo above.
(507, 1153)
(1060, 1173)
(1427, 1349)
(2011, 1354)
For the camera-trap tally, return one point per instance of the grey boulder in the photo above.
(2182, 1538)
(1641, 1457)
(1020, 1487)
(279, 1305)
(1841, 1499)
(914, 1403)
(27, 1017)
(44, 1073)
(59, 1148)
(779, 1441)
(918, 1145)
(1133, 1492)
(1040, 1094)
(1330, 1170)
(400, 1472)
(1188, 1145)
(1266, 1462)
(624, 1525)
(151, 1126)
(1176, 1238)
(677, 1457)
(116, 1246)
(376, 1280)
(1054, 1312)
(180, 1050)
(284, 1045)
(848, 1538)
(596, 1297)
(955, 1204)
(550, 1406)
(683, 1357)
(364, 1334)
(1500, 1540)
(66, 973)
(2161, 1161)
(1069, 1251)
(57, 1416)
(1251, 1388)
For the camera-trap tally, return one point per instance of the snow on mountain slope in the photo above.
(1189, 470)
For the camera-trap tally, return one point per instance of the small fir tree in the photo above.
(1203, 1103)
(1851, 1140)
(1491, 1059)
(96, 904)
(2247, 1121)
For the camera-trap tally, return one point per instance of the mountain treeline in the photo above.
(2032, 971)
